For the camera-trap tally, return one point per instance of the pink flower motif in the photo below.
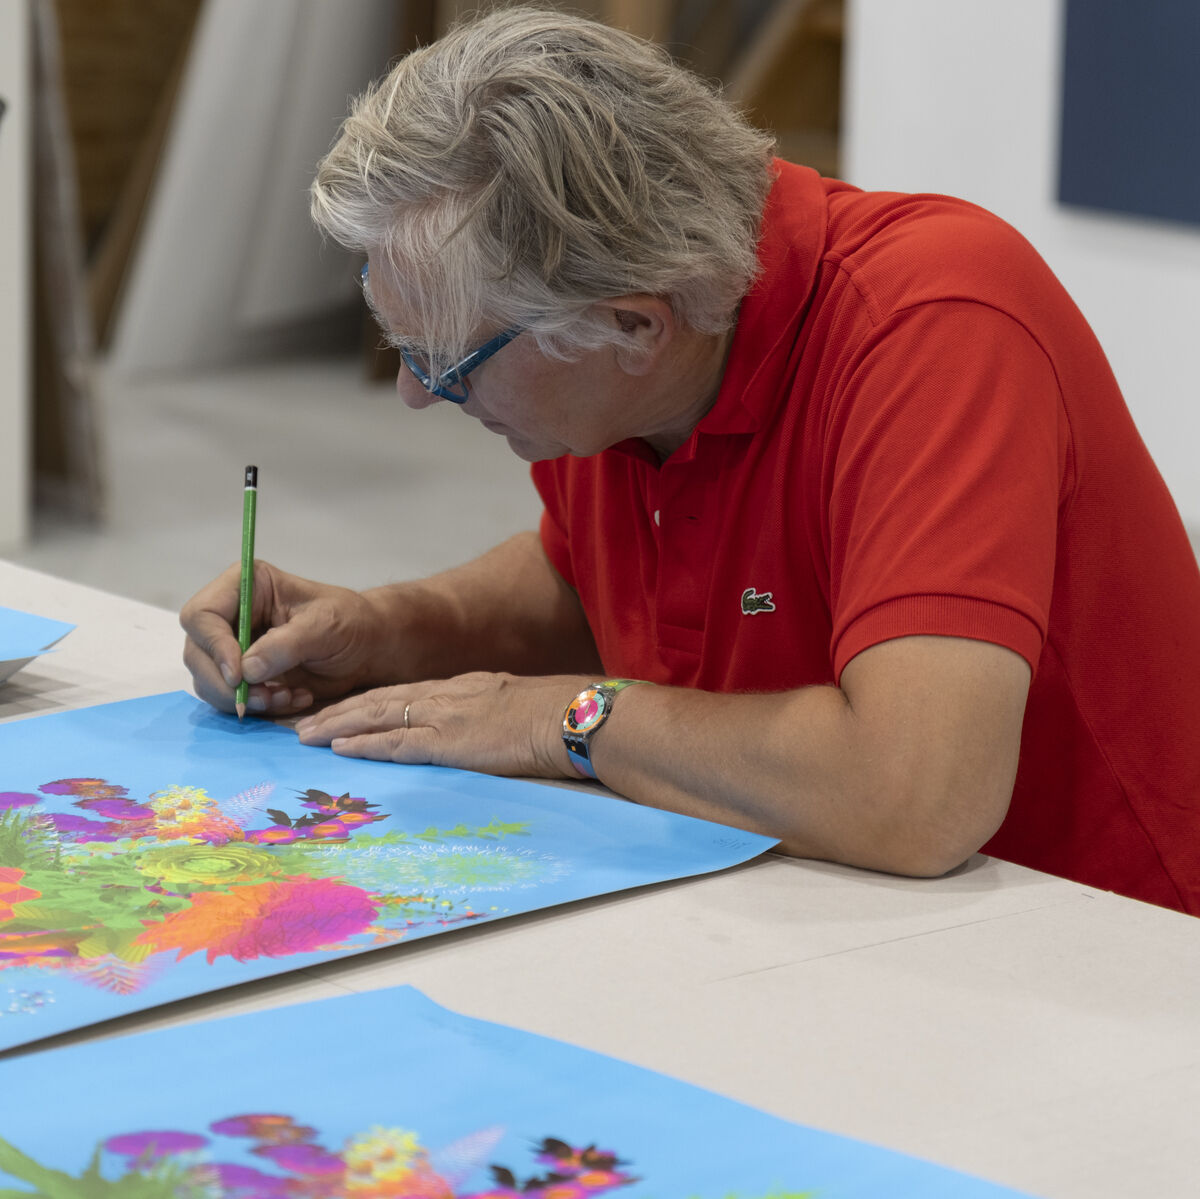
(277, 834)
(303, 1159)
(272, 919)
(154, 1144)
(240, 1180)
(328, 830)
(117, 809)
(17, 799)
(81, 829)
(92, 787)
(586, 711)
(270, 1127)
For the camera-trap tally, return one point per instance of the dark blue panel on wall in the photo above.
(1131, 107)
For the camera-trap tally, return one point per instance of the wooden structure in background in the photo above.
(122, 61)
(106, 73)
(67, 474)
(789, 79)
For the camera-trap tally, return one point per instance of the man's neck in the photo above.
(690, 383)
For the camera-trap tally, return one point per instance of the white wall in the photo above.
(16, 322)
(962, 97)
(228, 255)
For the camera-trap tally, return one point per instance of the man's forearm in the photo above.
(507, 610)
(907, 769)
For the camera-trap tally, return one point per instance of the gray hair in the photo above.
(531, 163)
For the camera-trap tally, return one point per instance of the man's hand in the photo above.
(312, 641)
(496, 723)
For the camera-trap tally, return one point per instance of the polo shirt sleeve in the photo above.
(945, 453)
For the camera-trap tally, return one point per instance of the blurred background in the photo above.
(167, 314)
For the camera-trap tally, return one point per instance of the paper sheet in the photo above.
(388, 1094)
(23, 636)
(156, 849)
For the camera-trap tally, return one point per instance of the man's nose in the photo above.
(410, 390)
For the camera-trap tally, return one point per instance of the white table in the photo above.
(1000, 1021)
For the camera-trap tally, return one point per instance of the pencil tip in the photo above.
(241, 710)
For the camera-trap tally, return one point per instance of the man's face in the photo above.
(543, 407)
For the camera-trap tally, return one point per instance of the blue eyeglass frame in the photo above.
(445, 384)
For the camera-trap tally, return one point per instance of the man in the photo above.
(844, 477)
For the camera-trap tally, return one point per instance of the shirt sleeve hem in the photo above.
(940, 616)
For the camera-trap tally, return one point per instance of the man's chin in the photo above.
(530, 451)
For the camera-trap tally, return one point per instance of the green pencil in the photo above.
(246, 595)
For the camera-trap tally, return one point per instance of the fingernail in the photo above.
(302, 698)
(302, 726)
(281, 698)
(256, 703)
(228, 675)
(253, 670)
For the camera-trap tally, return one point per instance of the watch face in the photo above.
(585, 711)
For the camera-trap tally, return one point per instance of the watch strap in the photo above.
(584, 717)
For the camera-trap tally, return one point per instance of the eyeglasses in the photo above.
(450, 384)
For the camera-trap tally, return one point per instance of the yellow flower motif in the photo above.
(382, 1155)
(180, 803)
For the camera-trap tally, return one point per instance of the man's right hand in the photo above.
(310, 641)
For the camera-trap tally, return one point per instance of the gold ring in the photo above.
(406, 708)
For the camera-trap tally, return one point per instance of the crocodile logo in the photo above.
(754, 602)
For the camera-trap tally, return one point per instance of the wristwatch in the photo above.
(584, 716)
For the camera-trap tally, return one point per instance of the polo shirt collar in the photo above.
(790, 246)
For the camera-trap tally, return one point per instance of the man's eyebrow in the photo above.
(392, 339)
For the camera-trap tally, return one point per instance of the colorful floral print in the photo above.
(382, 1162)
(117, 890)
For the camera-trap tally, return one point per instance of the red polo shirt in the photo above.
(917, 433)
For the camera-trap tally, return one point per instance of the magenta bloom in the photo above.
(277, 834)
(230, 1177)
(78, 787)
(327, 830)
(80, 828)
(17, 799)
(117, 809)
(303, 1159)
(264, 1126)
(154, 1144)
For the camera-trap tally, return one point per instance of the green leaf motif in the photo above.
(52, 1184)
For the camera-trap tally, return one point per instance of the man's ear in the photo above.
(647, 324)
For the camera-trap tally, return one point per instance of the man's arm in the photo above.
(907, 767)
(507, 610)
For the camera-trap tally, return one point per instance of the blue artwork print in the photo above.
(155, 849)
(420, 1103)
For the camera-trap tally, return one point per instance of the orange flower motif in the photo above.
(12, 892)
(272, 919)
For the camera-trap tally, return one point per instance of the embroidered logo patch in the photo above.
(754, 602)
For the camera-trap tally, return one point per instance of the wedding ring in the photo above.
(406, 708)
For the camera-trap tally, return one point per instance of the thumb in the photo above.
(276, 652)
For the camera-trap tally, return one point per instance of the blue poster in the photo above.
(156, 849)
(1131, 107)
(386, 1094)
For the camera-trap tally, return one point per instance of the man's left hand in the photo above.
(495, 723)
